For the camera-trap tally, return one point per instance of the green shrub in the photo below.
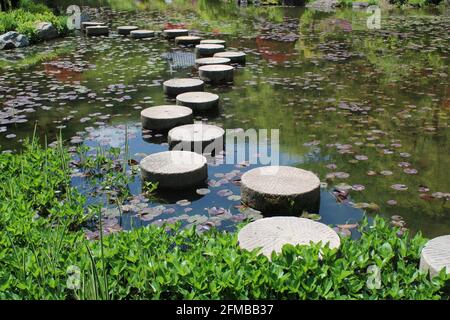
(24, 21)
(42, 247)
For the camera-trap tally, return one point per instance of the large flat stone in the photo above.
(173, 33)
(174, 87)
(187, 40)
(198, 100)
(207, 61)
(234, 56)
(435, 256)
(97, 31)
(165, 117)
(216, 73)
(271, 234)
(175, 169)
(208, 50)
(197, 137)
(141, 34)
(281, 189)
(125, 30)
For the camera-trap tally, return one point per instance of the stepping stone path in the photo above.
(187, 40)
(165, 117)
(198, 100)
(175, 169)
(213, 41)
(234, 56)
(270, 234)
(140, 34)
(436, 256)
(216, 73)
(206, 61)
(86, 24)
(125, 30)
(97, 31)
(208, 50)
(197, 137)
(173, 33)
(281, 189)
(177, 86)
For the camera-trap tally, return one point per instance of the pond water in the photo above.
(364, 109)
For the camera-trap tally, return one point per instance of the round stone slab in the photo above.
(86, 24)
(175, 169)
(216, 73)
(165, 117)
(278, 189)
(140, 34)
(198, 100)
(186, 40)
(270, 234)
(173, 33)
(436, 256)
(177, 86)
(125, 30)
(208, 50)
(234, 56)
(197, 137)
(213, 41)
(207, 61)
(97, 31)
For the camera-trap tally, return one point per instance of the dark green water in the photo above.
(372, 105)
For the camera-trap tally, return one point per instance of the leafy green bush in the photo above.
(43, 250)
(24, 21)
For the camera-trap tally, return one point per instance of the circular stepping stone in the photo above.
(197, 137)
(187, 40)
(175, 169)
(216, 73)
(207, 61)
(270, 234)
(140, 34)
(165, 117)
(208, 50)
(173, 33)
(234, 56)
(278, 189)
(97, 31)
(125, 30)
(198, 100)
(174, 87)
(213, 41)
(436, 256)
(86, 24)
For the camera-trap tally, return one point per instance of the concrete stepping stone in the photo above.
(234, 56)
(173, 33)
(208, 50)
(216, 73)
(187, 40)
(165, 117)
(278, 189)
(197, 137)
(198, 100)
(213, 41)
(175, 169)
(271, 234)
(141, 34)
(125, 30)
(97, 31)
(86, 24)
(206, 61)
(174, 87)
(435, 256)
